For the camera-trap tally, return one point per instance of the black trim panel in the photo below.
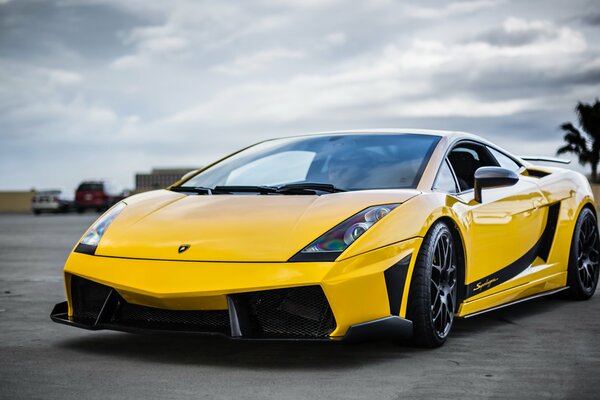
(323, 256)
(85, 249)
(395, 279)
(540, 249)
(535, 296)
(549, 231)
(383, 328)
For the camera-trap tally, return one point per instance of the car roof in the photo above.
(91, 183)
(397, 131)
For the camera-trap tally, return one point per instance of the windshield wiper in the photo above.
(192, 189)
(290, 188)
(244, 189)
(310, 187)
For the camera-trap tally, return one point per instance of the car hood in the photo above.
(244, 228)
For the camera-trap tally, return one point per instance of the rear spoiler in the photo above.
(546, 159)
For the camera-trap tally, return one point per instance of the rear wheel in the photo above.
(433, 288)
(584, 258)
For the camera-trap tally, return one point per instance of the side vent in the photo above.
(395, 277)
(536, 173)
(549, 231)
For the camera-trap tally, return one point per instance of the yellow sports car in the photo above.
(346, 235)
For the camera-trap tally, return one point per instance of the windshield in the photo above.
(349, 162)
(91, 187)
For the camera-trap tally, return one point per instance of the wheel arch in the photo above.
(458, 238)
(461, 256)
(591, 206)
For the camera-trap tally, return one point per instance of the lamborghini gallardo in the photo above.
(339, 236)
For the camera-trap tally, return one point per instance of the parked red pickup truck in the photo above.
(96, 195)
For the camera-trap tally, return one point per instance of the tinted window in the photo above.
(351, 162)
(465, 159)
(90, 187)
(444, 181)
(504, 161)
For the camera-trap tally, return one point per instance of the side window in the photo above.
(465, 159)
(444, 182)
(504, 161)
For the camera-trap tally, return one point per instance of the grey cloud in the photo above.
(499, 37)
(104, 88)
(34, 30)
(591, 19)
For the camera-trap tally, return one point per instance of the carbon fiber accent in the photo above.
(295, 312)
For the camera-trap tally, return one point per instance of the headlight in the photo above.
(92, 237)
(331, 244)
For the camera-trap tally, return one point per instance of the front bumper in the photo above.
(387, 327)
(354, 299)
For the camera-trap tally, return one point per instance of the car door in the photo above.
(505, 228)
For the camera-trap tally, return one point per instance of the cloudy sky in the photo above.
(107, 88)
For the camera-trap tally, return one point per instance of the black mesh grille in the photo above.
(297, 312)
(301, 312)
(155, 318)
(88, 297)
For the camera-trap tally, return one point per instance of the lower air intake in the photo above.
(295, 312)
(143, 317)
(89, 298)
(301, 312)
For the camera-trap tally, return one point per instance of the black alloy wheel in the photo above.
(433, 291)
(584, 260)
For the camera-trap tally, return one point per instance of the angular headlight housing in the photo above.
(333, 242)
(92, 237)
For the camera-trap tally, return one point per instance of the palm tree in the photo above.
(585, 145)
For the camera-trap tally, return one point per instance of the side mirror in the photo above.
(493, 177)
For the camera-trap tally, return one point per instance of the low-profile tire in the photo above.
(584, 257)
(433, 288)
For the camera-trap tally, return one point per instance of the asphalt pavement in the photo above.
(545, 348)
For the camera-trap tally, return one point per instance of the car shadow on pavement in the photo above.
(217, 351)
(264, 354)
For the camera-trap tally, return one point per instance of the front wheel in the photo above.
(433, 289)
(584, 257)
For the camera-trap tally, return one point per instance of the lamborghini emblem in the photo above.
(183, 248)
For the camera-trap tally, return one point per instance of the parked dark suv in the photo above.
(95, 195)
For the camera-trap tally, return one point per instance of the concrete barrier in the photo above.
(16, 201)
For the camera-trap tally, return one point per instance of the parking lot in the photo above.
(547, 348)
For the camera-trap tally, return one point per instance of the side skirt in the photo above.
(535, 296)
